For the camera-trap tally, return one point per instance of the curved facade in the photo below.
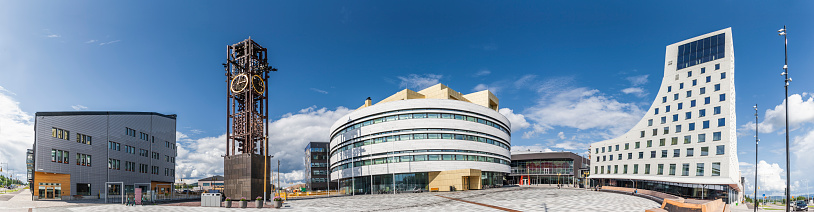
(409, 144)
(686, 143)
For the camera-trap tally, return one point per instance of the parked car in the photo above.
(800, 205)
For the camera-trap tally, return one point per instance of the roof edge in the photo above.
(77, 113)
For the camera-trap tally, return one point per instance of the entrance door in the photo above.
(525, 181)
(465, 183)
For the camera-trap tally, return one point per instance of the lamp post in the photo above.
(756, 141)
(788, 79)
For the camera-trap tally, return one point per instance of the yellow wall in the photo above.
(444, 179)
(42, 177)
(441, 91)
(160, 185)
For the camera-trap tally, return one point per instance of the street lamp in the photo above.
(788, 79)
(754, 201)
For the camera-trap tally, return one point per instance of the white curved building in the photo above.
(686, 143)
(434, 139)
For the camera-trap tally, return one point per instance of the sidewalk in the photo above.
(22, 202)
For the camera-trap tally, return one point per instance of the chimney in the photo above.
(368, 102)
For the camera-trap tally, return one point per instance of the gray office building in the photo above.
(316, 166)
(71, 149)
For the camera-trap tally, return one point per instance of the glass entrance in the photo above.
(50, 191)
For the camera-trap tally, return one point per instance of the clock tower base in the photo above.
(243, 176)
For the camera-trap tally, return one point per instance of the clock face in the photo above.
(239, 83)
(258, 85)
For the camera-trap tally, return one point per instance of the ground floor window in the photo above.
(50, 190)
(685, 190)
(83, 189)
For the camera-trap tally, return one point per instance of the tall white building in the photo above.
(433, 139)
(686, 143)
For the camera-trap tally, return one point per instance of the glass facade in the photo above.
(406, 182)
(701, 51)
(693, 191)
(543, 171)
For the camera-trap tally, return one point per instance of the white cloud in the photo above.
(771, 178)
(802, 147)
(517, 121)
(638, 80)
(418, 82)
(196, 131)
(79, 107)
(570, 145)
(319, 91)
(7, 91)
(639, 92)
(532, 148)
(583, 108)
(110, 42)
(199, 158)
(49, 34)
(800, 112)
(90, 41)
(482, 72)
(492, 88)
(16, 135)
(561, 135)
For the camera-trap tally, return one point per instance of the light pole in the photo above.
(788, 79)
(756, 141)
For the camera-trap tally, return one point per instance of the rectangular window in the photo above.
(650, 122)
(663, 119)
(723, 75)
(635, 168)
(709, 78)
(656, 111)
(675, 96)
(716, 136)
(666, 130)
(692, 103)
(722, 97)
(619, 157)
(699, 169)
(667, 109)
(681, 85)
(662, 141)
(642, 134)
(616, 169)
(702, 113)
(703, 70)
(669, 88)
(688, 115)
(629, 155)
(673, 140)
(689, 93)
(664, 153)
(717, 87)
(689, 74)
(719, 150)
(676, 153)
(717, 66)
(617, 148)
(687, 139)
(637, 144)
(663, 100)
(624, 171)
(706, 124)
(678, 128)
(704, 151)
(646, 168)
(603, 149)
(716, 110)
(641, 155)
(721, 122)
(694, 82)
(716, 169)
(675, 117)
(703, 90)
(680, 106)
(692, 126)
(649, 143)
(627, 146)
(652, 154)
(685, 169)
(660, 169)
(672, 169)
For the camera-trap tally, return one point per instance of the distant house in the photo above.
(210, 183)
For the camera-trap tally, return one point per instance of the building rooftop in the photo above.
(213, 178)
(78, 113)
(440, 91)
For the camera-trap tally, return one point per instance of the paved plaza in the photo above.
(499, 199)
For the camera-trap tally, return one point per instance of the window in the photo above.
(722, 97)
(689, 93)
(666, 130)
(716, 136)
(675, 117)
(700, 51)
(617, 148)
(59, 156)
(672, 169)
(689, 74)
(706, 124)
(702, 113)
(629, 155)
(83, 139)
(716, 169)
(692, 126)
(113, 164)
(690, 152)
(597, 150)
(687, 139)
(619, 157)
(664, 153)
(685, 169)
(661, 169)
(680, 106)
(667, 109)
(603, 149)
(627, 146)
(635, 168)
(702, 138)
(719, 150)
(603, 158)
(652, 154)
(649, 143)
(616, 169)
(669, 88)
(704, 151)
(663, 119)
(641, 155)
(636, 145)
(596, 169)
(624, 171)
(681, 85)
(656, 111)
(642, 134)
(663, 99)
(678, 128)
(717, 87)
(60, 133)
(130, 132)
(692, 103)
(702, 91)
(699, 169)
(706, 100)
(650, 122)
(709, 78)
(113, 146)
(646, 168)
(661, 142)
(723, 75)
(676, 153)
(675, 96)
(687, 115)
(694, 82)
(721, 122)
(716, 110)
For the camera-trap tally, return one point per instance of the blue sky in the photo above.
(165, 57)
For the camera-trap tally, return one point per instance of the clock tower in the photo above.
(246, 163)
